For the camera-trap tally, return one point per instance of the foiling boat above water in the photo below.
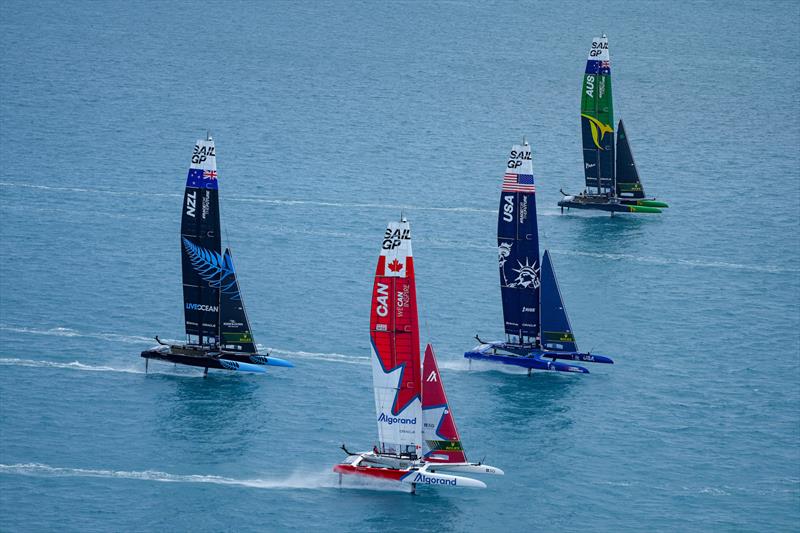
(536, 323)
(419, 442)
(217, 328)
(612, 183)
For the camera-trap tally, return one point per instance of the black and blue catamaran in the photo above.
(217, 329)
(538, 332)
(612, 184)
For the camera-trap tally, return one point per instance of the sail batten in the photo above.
(518, 247)
(201, 248)
(597, 119)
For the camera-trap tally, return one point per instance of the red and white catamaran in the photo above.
(419, 442)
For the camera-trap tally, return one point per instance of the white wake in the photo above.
(296, 480)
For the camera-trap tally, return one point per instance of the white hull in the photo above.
(465, 468)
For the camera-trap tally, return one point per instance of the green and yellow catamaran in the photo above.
(612, 181)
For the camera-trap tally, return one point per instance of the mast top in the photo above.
(524, 141)
(208, 135)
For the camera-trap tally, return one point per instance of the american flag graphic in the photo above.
(518, 183)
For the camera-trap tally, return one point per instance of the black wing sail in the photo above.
(628, 183)
(202, 261)
(234, 326)
(518, 247)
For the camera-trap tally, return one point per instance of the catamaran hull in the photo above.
(608, 206)
(410, 477)
(204, 361)
(644, 202)
(530, 362)
(465, 468)
(534, 359)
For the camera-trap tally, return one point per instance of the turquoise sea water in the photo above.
(330, 118)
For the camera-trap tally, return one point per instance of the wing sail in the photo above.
(442, 443)
(234, 325)
(597, 119)
(202, 260)
(556, 329)
(394, 331)
(518, 246)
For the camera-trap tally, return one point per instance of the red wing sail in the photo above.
(394, 331)
(442, 442)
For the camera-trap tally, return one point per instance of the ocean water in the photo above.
(331, 117)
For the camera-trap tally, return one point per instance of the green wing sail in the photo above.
(597, 120)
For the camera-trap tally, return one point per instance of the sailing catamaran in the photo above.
(611, 184)
(217, 329)
(419, 442)
(536, 322)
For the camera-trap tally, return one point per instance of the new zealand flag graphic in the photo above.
(202, 179)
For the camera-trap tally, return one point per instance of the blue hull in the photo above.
(534, 359)
(205, 361)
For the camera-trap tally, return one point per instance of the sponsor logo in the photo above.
(202, 307)
(591, 165)
(508, 208)
(381, 327)
(403, 298)
(599, 130)
(191, 200)
(201, 153)
(382, 300)
(432, 376)
(597, 48)
(523, 209)
(393, 239)
(396, 420)
(528, 309)
(422, 478)
(516, 158)
(233, 324)
(206, 204)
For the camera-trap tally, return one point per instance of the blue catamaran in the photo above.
(538, 332)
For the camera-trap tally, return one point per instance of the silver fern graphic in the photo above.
(213, 267)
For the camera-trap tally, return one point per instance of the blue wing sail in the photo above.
(556, 329)
(518, 247)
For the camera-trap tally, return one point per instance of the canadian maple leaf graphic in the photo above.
(395, 266)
